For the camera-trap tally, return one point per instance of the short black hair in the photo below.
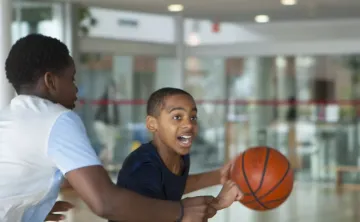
(157, 99)
(32, 56)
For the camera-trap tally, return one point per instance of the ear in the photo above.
(151, 124)
(50, 81)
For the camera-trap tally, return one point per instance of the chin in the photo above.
(183, 150)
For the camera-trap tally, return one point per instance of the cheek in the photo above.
(168, 128)
(70, 88)
(196, 129)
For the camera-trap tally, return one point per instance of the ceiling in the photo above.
(241, 10)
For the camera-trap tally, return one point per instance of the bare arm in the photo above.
(202, 180)
(108, 201)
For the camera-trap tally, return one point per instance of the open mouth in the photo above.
(184, 140)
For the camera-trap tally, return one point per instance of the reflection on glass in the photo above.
(300, 105)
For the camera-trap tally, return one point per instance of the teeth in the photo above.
(186, 137)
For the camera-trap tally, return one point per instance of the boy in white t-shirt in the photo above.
(42, 141)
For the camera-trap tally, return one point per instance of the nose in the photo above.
(188, 124)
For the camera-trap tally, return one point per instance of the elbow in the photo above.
(100, 208)
(105, 205)
(101, 205)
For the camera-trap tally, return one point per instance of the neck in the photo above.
(32, 92)
(171, 159)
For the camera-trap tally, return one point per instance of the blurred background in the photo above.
(264, 72)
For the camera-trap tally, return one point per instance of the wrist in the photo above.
(181, 215)
(218, 176)
(216, 203)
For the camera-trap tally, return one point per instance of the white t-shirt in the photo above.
(39, 143)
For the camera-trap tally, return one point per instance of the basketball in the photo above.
(264, 176)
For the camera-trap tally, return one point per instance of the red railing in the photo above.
(232, 102)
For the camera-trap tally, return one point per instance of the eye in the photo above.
(194, 118)
(177, 117)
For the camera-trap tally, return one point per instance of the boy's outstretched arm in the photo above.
(200, 181)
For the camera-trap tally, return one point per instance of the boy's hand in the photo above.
(198, 209)
(225, 171)
(228, 194)
(60, 206)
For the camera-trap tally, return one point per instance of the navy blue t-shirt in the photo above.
(145, 173)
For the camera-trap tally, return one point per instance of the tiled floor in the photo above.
(308, 203)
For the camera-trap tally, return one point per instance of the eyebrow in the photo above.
(180, 108)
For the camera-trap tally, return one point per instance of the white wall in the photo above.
(153, 28)
(160, 28)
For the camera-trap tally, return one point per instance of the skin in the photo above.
(93, 183)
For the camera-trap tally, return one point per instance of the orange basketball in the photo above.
(264, 176)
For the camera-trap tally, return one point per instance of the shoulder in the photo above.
(144, 161)
(68, 144)
(68, 117)
(68, 123)
(145, 155)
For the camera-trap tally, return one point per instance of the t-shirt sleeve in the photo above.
(69, 146)
(146, 180)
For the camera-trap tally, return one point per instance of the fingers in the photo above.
(211, 211)
(199, 207)
(233, 189)
(238, 193)
(62, 206)
(239, 197)
(55, 217)
(225, 171)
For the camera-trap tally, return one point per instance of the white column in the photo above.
(6, 90)
(179, 71)
(260, 115)
(66, 16)
(165, 71)
(286, 84)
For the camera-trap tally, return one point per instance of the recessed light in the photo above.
(288, 2)
(262, 18)
(175, 8)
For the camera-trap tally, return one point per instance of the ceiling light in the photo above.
(262, 18)
(175, 8)
(193, 39)
(288, 2)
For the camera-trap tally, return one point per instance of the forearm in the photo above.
(202, 180)
(118, 204)
(125, 205)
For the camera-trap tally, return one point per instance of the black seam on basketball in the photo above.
(279, 199)
(267, 156)
(269, 201)
(247, 182)
(275, 186)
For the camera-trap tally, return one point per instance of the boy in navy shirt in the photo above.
(160, 168)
